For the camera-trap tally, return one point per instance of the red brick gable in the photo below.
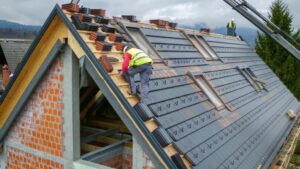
(40, 123)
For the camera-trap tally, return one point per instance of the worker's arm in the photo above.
(126, 61)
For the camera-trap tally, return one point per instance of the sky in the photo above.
(215, 13)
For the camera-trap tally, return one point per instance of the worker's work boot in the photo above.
(138, 90)
(131, 93)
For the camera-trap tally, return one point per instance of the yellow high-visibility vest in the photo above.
(231, 24)
(138, 57)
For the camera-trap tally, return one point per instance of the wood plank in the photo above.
(288, 148)
(114, 121)
(90, 104)
(76, 48)
(107, 125)
(87, 93)
(104, 140)
(108, 140)
(86, 109)
(89, 147)
(151, 125)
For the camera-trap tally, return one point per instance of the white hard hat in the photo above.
(125, 49)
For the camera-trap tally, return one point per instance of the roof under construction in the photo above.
(213, 102)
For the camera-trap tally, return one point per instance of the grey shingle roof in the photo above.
(14, 50)
(243, 134)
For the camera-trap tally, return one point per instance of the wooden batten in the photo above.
(282, 160)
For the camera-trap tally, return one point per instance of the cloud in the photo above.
(215, 13)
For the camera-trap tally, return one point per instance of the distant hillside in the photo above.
(16, 26)
(196, 26)
(17, 31)
(248, 34)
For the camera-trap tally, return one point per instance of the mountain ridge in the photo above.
(4, 24)
(248, 34)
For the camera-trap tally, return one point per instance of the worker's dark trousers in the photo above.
(231, 31)
(145, 72)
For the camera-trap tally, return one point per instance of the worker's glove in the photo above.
(123, 75)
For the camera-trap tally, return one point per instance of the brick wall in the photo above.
(140, 158)
(20, 159)
(127, 158)
(121, 160)
(39, 126)
(124, 160)
(114, 162)
(36, 137)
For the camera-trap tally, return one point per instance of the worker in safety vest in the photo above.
(137, 61)
(231, 27)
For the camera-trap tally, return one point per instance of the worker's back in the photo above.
(138, 57)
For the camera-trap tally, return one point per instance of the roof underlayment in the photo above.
(213, 102)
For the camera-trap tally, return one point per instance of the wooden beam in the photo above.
(89, 147)
(109, 140)
(77, 49)
(107, 125)
(151, 125)
(85, 110)
(87, 93)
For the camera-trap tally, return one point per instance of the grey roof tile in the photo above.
(207, 137)
(14, 50)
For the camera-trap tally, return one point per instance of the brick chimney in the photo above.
(5, 76)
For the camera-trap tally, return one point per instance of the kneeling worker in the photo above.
(137, 61)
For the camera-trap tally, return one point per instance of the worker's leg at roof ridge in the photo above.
(145, 72)
(131, 72)
(145, 78)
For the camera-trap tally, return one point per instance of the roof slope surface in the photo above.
(14, 50)
(213, 102)
(243, 134)
(243, 130)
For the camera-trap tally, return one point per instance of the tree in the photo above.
(278, 59)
